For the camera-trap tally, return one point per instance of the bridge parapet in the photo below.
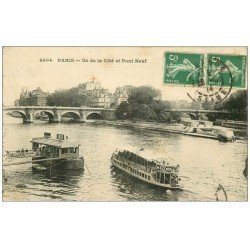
(55, 107)
(55, 113)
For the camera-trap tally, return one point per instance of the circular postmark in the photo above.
(220, 193)
(220, 82)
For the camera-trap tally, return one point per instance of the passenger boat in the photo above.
(57, 153)
(159, 172)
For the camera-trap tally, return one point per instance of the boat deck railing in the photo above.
(133, 164)
(160, 164)
(20, 153)
(149, 171)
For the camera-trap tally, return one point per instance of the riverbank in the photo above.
(172, 128)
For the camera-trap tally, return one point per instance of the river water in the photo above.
(204, 164)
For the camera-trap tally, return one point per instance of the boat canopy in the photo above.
(146, 158)
(55, 142)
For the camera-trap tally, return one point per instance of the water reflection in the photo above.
(60, 175)
(137, 190)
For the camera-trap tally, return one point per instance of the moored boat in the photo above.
(157, 172)
(38, 168)
(225, 134)
(207, 130)
(59, 153)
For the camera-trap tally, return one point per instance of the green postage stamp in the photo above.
(226, 70)
(190, 69)
(183, 68)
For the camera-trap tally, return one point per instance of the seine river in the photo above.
(204, 164)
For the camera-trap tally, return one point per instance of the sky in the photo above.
(52, 68)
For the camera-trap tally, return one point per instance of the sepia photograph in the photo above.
(125, 124)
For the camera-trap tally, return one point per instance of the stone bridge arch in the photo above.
(194, 116)
(26, 114)
(97, 115)
(21, 112)
(72, 114)
(49, 113)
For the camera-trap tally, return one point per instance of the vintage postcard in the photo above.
(125, 124)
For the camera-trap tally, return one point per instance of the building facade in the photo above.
(121, 94)
(100, 100)
(89, 87)
(96, 95)
(35, 97)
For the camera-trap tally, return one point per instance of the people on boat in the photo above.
(158, 172)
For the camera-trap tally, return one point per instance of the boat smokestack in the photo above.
(47, 135)
(60, 137)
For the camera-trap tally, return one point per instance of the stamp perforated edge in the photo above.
(205, 66)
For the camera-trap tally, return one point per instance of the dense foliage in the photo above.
(144, 104)
(66, 98)
(236, 104)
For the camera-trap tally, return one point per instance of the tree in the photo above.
(66, 98)
(196, 105)
(123, 111)
(143, 112)
(144, 104)
(165, 116)
(143, 95)
(207, 105)
(236, 104)
(176, 116)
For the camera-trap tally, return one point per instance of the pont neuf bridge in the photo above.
(81, 114)
(55, 113)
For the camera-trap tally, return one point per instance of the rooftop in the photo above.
(151, 155)
(55, 142)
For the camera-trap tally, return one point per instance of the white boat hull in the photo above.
(118, 164)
